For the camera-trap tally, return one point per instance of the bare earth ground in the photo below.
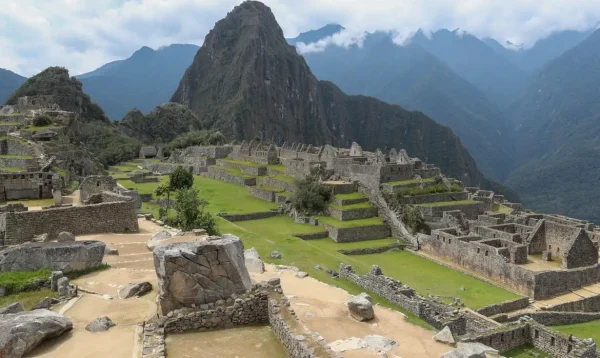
(322, 309)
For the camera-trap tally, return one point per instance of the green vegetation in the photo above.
(36, 129)
(310, 197)
(188, 139)
(191, 213)
(328, 244)
(243, 162)
(414, 219)
(447, 203)
(270, 188)
(41, 120)
(525, 352)
(11, 170)
(162, 125)
(108, 144)
(277, 167)
(350, 196)
(499, 208)
(279, 225)
(352, 223)
(589, 329)
(27, 299)
(364, 205)
(178, 181)
(6, 124)
(284, 178)
(15, 282)
(15, 139)
(13, 156)
(71, 187)
(410, 182)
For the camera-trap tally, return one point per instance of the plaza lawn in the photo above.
(589, 329)
(277, 167)
(329, 244)
(364, 205)
(143, 188)
(278, 225)
(352, 223)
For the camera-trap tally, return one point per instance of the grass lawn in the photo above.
(352, 223)
(143, 188)
(589, 329)
(16, 156)
(277, 167)
(364, 205)
(11, 170)
(27, 299)
(14, 139)
(269, 188)
(30, 203)
(244, 163)
(329, 244)
(499, 208)
(2, 124)
(279, 225)
(234, 171)
(525, 352)
(350, 196)
(410, 182)
(448, 203)
(284, 178)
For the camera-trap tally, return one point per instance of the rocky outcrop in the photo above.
(15, 307)
(57, 256)
(445, 336)
(134, 289)
(21, 332)
(361, 307)
(197, 273)
(100, 324)
(253, 262)
(157, 238)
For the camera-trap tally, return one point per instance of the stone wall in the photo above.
(553, 318)
(436, 314)
(167, 168)
(249, 216)
(95, 184)
(263, 194)
(504, 307)
(351, 214)
(552, 283)
(279, 184)
(481, 258)
(246, 169)
(587, 304)
(114, 217)
(26, 163)
(28, 185)
(224, 175)
(313, 236)
(245, 310)
(361, 233)
(14, 146)
(471, 211)
(434, 198)
(370, 250)
(216, 152)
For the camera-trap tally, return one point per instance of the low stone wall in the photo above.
(361, 233)
(224, 175)
(529, 332)
(113, 217)
(351, 214)
(166, 168)
(471, 211)
(434, 198)
(342, 202)
(436, 314)
(313, 236)
(146, 198)
(279, 184)
(504, 307)
(587, 304)
(263, 194)
(553, 318)
(250, 309)
(249, 216)
(246, 169)
(551, 283)
(370, 250)
(343, 188)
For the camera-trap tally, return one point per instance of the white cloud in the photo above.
(84, 34)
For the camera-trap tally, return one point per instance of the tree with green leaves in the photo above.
(191, 212)
(179, 179)
(310, 197)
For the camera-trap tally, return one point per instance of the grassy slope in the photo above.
(582, 330)
(352, 223)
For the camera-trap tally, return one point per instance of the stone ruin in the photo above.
(256, 151)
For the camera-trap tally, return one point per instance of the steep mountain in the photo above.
(558, 134)
(161, 125)
(144, 80)
(412, 77)
(473, 60)
(311, 36)
(247, 80)
(544, 50)
(9, 82)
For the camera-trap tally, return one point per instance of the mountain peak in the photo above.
(145, 51)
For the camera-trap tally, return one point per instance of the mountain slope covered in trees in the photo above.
(9, 82)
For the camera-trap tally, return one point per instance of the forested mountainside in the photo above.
(9, 82)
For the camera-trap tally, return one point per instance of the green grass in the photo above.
(270, 188)
(30, 203)
(244, 163)
(27, 299)
(330, 245)
(71, 187)
(501, 209)
(11, 156)
(234, 171)
(3, 124)
(287, 194)
(589, 329)
(277, 167)
(14, 139)
(11, 170)
(16, 281)
(350, 196)
(352, 223)
(410, 182)
(448, 203)
(142, 188)
(10, 115)
(524, 352)
(364, 205)
(279, 225)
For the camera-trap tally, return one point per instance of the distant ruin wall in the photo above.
(361, 233)
(263, 194)
(434, 198)
(504, 307)
(249, 216)
(29, 185)
(554, 318)
(96, 184)
(216, 152)
(471, 211)
(551, 283)
(114, 217)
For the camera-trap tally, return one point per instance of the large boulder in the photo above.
(253, 262)
(57, 256)
(361, 307)
(445, 336)
(470, 350)
(196, 273)
(100, 324)
(134, 289)
(15, 307)
(65, 237)
(157, 239)
(21, 332)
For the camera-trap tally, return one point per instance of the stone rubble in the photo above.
(100, 324)
(134, 290)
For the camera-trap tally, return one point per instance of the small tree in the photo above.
(217, 138)
(191, 212)
(179, 179)
(413, 218)
(310, 197)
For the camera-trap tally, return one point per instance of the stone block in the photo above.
(547, 256)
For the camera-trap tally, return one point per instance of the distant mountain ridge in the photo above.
(9, 82)
(246, 80)
(144, 80)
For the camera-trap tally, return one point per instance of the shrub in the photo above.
(412, 217)
(41, 120)
(181, 178)
(189, 139)
(310, 197)
(217, 138)
(191, 212)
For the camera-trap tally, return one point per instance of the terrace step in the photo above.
(355, 230)
(352, 212)
(246, 168)
(219, 173)
(339, 187)
(406, 184)
(349, 199)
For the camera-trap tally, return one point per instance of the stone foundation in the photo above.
(224, 175)
(263, 194)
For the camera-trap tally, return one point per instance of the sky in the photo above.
(82, 35)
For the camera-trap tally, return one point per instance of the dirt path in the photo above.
(322, 309)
